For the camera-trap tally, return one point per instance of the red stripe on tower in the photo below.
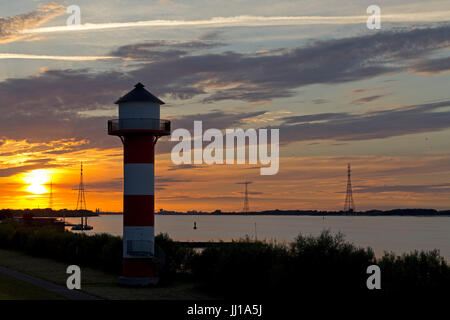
(138, 210)
(139, 149)
(139, 127)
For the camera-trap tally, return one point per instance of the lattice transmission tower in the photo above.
(246, 206)
(349, 205)
(81, 201)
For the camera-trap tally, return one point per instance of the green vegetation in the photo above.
(101, 251)
(424, 272)
(98, 251)
(94, 281)
(323, 265)
(13, 289)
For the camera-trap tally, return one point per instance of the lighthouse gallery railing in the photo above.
(138, 124)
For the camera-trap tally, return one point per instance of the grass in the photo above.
(13, 289)
(95, 282)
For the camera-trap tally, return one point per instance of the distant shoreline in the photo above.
(371, 213)
(74, 213)
(305, 215)
(316, 213)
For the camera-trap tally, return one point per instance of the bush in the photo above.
(328, 264)
(426, 272)
(238, 269)
(98, 251)
(101, 251)
(325, 266)
(176, 258)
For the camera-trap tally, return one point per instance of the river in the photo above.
(393, 233)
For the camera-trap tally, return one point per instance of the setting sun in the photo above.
(36, 180)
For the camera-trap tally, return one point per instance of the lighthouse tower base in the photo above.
(139, 272)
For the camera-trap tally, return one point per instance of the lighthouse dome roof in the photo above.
(139, 94)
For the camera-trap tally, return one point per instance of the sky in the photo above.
(338, 91)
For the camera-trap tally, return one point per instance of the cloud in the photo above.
(238, 76)
(367, 99)
(11, 27)
(38, 160)
(248, 21)
(374, 125)
(53, 104)
(365, 90)
(276, 74)
(433, 188)
(7, 172)
(113, 185)
(216, 119)
(162, 50)
(165, 1)
(213, 35)
(320, 101)
(165, 180)
(185, 166)
(432, 66)
(314, 117)
(49, 107)
(47, 57)
(27, 151)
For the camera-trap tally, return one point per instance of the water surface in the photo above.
(397, 234)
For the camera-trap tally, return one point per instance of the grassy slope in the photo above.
(94, 282)
(13, 289)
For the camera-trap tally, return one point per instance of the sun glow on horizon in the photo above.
(36, 181)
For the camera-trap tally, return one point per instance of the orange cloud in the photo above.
(11, 27)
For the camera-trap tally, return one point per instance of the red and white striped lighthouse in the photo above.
(139, 126)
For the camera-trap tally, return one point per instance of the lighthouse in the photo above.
(139, 127)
